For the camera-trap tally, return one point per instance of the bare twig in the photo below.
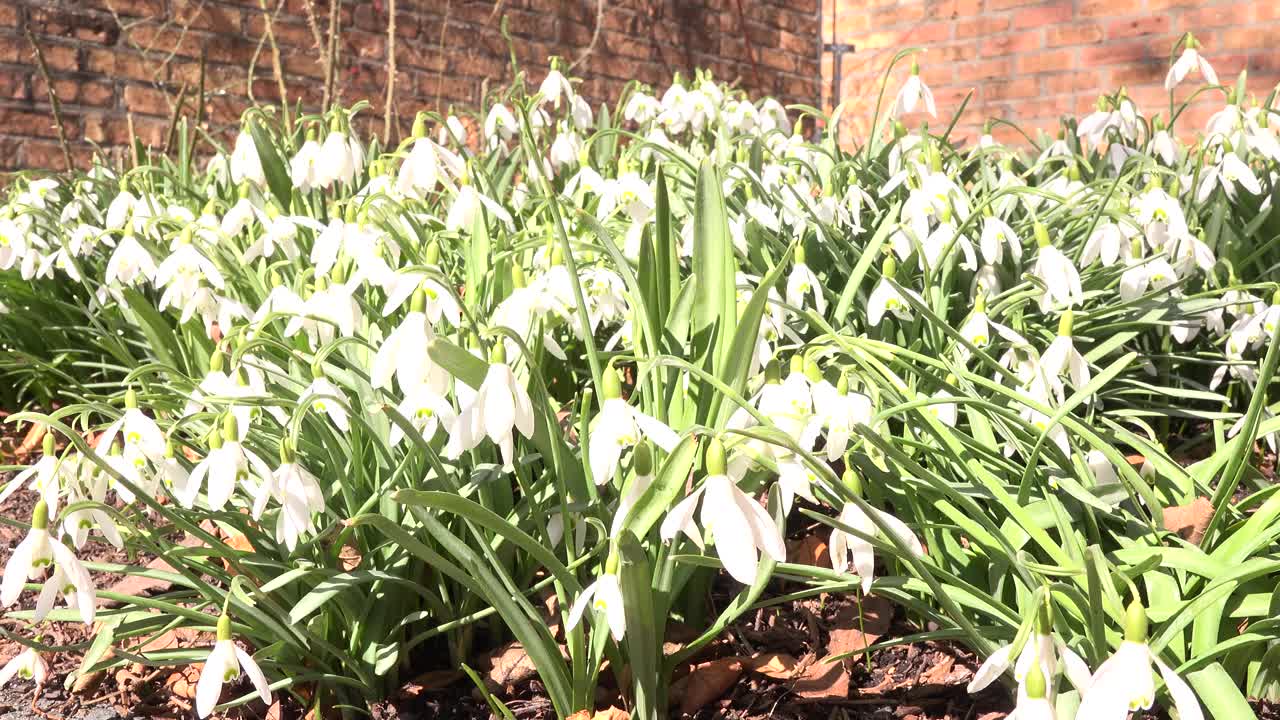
(331, 69)
(313, 23)
(391, 72)
(173, 118)
(275, 60)
(133, 141)
(595, 36)
(53, 98)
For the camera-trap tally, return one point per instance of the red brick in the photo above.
(142, 100)
(1023, 87)
(1085, 33)
(1136, 27)
(1216, 16)
(1115, 53)
(980, 26)
(1050, 13)
(35, 123)
(1011, 43)
(1046, 61)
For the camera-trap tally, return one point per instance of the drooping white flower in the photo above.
(741, 528)
(1062, 356)
(246, 165)
(325, 398)
(602, 596)
(304, 167)
(1057, 272)
(224, 665)
(1043, 651)
(27, 665)
(39, 552)
(426, 410)
(501, 406)
(802, 283)
(427, 165)
(340, 158)
(13, 243)
(555, 88)
(140, 433)
(850, 551)
(912, 92)
(619, 427)
(129, 263)
(1189, 60)
(1126, 682)
(1228, 173)
(44, 477)
(300, 498)
(838, 411)
(404, 355)
(228, 463)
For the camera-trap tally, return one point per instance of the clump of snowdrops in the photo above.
(368, 401)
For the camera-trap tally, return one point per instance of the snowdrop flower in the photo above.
(425, 410)
(912, 92)
(641, 108)
(839, 411)
(1057, 272)
(467, 204)
(1043, 655)
(501, 406)
(39, 552)
(885, 298)
(741, 528)
(129, 263)
(13, 243)
(299, 495)
(227, 464)
(1153, 273)
(324, 397)
(499, 125)
(341, 156)
(618, 427)
(404, 354)
(802, 283)
(642, 465)
(853, 551)
(555, 87)
(27, 665)
(1189, 60)
(1061, 355)
(1228, 173)
(1125, 682)
(996, 233)
(1033, 701)
(1105, 243)
(331, 309)
(946, 412)
(427, 165)
(603, 596)
(121, 208)
(45, 476)
(140, 433)
(246, 165)
(1103, 472)
(304, 167)
(224, 665)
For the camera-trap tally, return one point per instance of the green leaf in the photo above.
(1220, 694)
(273, 166)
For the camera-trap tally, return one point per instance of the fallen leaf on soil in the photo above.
(88, 682)
(1189, 521)
(778, 666)
(139, 586)
(823, 680)
(852, 631)
(31, 441)
(274, 711)
(430, 680)
(705, 683)
(939, 674)
(511, 666)
(810, 551)
(612, 713)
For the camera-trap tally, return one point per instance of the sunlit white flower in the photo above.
(228, 463)
(839, 411)
(1228, 173)
(1058, 273)
(501, 406)
(224, 665)
(129, 263)
(246, 165)
(325, 398)
(619, 427)
(1125, 683)
(912, 92)
(1189, 60)
(300, 498)
(854, 551)
(741, 528)
(602, 596)
(38, 553)
(1062, 356)
(426, 411)
(27, 665)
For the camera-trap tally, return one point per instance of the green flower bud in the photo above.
(130, 399)
(1041, 233)
(797, 364)
(517, 276)
(420, 125)
(1035, 683)
(1135, 622)
(433, 253)
(47, 444)
(852, 481)
(217, 361)
(773, 372)
(418, 301)
(889, 268)
(612, 388)
(1065, 324)
(224, 627)
(498, 353)
(799, 255)
(715, 459)
(642, 459)
(40, 516)
(230, 428)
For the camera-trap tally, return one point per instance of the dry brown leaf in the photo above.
(612, 713)
(349, 557)
(811, 551)
(778, 666)
(511, 666)
(430, 680)
(852, 631)
(580, 715)
(705, 683)
(88, 682)
(30, 441)
(940, 673)
(274, 712)
(1189, 521)
(823, 680)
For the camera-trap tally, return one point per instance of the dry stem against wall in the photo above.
(53, 98)
(275, 60)
(391, 71)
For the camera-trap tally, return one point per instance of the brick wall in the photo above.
(115, 59)
(1031, 61)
